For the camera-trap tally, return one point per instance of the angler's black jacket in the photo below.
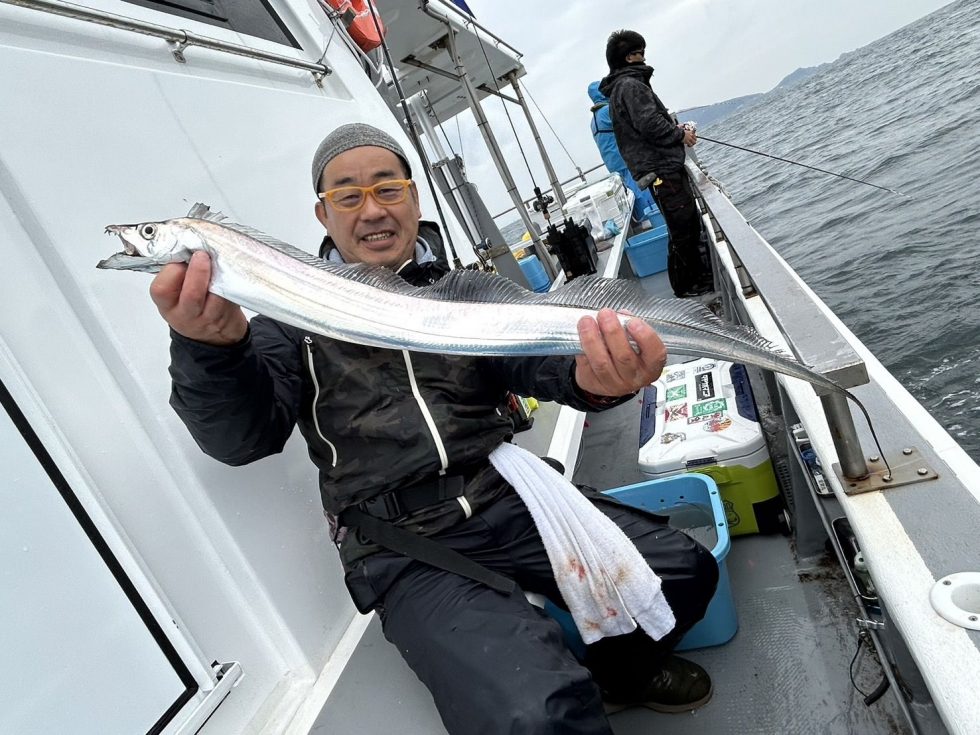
(365, 412)
(648, 138)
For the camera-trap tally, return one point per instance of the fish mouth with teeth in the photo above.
(129, 258)
(119, 230)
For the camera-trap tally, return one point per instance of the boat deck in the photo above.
(785, 671)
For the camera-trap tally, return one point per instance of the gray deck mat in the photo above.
(785, 672)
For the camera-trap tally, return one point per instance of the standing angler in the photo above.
(652, 145)
(430, 534)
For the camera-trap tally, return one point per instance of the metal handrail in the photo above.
(179, 39)
(813, 337)
(546, 191)
(466, 19)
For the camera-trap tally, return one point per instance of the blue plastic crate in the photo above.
(662, 496)
(647, 252)
(654, 216)
(665, 496)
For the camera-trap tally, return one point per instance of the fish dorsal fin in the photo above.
(594, 293)
(203, 211)
(586, 292)
(478, 287)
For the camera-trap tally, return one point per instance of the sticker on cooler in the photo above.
(701, 409)
(704, 386)
(705, 421)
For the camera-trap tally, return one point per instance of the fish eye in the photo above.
(148, 231)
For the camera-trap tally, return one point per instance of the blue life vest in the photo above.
(605, 140)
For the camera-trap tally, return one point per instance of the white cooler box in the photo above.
(701, 417)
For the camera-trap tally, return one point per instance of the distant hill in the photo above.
(708, 114)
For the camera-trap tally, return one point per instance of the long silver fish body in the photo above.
(466, 312)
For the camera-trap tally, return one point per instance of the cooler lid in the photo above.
(699, 413)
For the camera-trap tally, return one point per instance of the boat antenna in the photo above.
(797, 163)
(457, 263)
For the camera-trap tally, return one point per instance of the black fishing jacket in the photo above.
(648, 138)
(374, 419)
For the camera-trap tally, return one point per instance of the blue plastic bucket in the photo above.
(676, 496)
(535, 273)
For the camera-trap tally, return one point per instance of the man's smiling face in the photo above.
(377, 234)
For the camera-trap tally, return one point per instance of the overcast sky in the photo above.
(704, 51)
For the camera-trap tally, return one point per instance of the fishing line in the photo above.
(548, 123)
(874, 436)
(503, 104)
(804, 165)
(457, 263)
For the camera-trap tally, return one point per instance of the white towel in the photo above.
(605, 581)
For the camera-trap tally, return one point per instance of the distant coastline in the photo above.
(709, 114)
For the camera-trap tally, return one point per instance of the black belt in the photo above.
(403, 501)
(425, 550)
(372, 519)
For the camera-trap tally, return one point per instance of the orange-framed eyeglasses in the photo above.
(352, 198)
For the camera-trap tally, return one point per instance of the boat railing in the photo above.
(178, 39)
(815, 340)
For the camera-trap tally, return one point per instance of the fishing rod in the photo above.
(797, 163)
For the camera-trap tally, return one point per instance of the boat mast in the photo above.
(552, 176)
(498, 159)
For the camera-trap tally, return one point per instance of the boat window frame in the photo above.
(254, 18)
(35, 446)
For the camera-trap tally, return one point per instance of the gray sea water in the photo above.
(902, 274)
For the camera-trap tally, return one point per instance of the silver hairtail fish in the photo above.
(465, 313)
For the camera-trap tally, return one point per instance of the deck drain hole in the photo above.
(957, 598)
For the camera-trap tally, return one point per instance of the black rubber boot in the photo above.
(680, 686)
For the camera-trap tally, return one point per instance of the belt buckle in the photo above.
(387, 504)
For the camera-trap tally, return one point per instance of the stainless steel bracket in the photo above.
(177, 49)
(906, 469)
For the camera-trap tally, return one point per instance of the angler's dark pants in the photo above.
(496, 664)
(688, 268)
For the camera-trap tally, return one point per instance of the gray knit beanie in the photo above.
(353, 135)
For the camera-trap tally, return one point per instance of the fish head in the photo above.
(149, 246)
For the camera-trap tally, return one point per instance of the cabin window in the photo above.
(251, 17)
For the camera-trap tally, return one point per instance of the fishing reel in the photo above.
(542, 204)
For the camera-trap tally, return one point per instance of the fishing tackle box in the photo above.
(700, 416)
(693, 503)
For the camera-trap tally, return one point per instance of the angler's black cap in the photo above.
(353, 135)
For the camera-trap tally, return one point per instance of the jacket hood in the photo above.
(640, 72)
(596, 95)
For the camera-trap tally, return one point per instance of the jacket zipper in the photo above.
(431, 424)
(316, 399)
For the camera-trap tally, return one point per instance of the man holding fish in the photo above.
(408, 446)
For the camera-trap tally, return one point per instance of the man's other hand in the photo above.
(690, 137)
(180, 292)
(611, 366)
